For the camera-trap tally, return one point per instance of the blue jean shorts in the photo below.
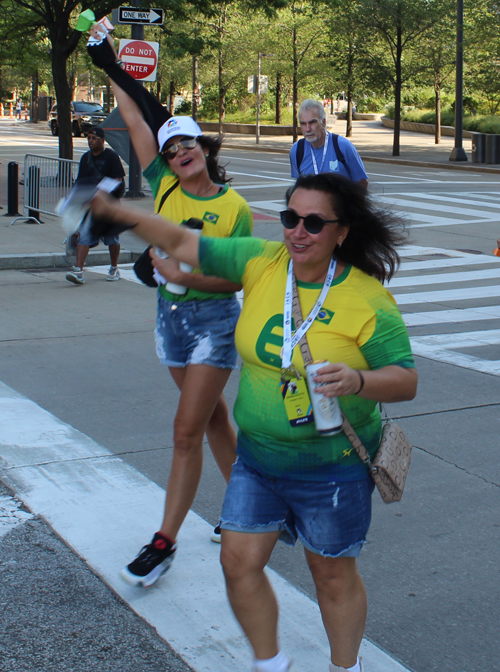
(197, 332)
(88, 238)
(330, 519)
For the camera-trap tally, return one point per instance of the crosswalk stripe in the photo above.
(101, 506)
(431, 206)
(443, 278)
(454, 199)
(443, 348)
(451, 316)
(428, 264)
(447, 295)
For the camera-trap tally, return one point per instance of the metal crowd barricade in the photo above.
(46, 181)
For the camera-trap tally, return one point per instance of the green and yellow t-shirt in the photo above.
(224, 215)
(359, 324)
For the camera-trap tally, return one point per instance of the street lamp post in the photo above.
(458, 152)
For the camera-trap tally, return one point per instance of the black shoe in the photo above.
(216, 535)
(153, 561)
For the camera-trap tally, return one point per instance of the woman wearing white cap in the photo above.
(195, 330)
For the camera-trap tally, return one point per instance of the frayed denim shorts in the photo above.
(197, 332)
(330, 519)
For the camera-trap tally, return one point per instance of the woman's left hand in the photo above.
(337, 380)
(169, 268)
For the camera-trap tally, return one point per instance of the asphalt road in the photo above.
(430, 567)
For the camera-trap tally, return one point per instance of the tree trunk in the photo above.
(195, 87)
(34, 98)
(437, 134)
(277, 119)
(63, 96)
(222, 94)
(295, 85)
(171, 95)
(348, 128)
(348, 131)
(397, 95)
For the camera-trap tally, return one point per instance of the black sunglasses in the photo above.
(170, 151)
(312, 223)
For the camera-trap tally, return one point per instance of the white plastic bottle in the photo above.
(196, 226)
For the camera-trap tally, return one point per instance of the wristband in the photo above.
(361, 380)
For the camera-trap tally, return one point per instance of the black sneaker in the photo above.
(216, 535)
(153, 561)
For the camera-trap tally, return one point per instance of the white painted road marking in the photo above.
(446, 347)
(105, 509)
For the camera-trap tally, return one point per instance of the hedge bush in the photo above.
(479, 124)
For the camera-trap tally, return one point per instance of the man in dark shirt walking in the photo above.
(97, 163)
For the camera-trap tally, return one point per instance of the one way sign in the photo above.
(145, 16)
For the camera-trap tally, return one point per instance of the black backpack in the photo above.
(340, 157)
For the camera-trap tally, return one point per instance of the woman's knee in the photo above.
(188, 438)
(240, 559)
(336, 575)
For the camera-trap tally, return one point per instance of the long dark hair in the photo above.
(216, 172)
(373, 234)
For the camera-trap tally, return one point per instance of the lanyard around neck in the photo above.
(325, 149)
(289, 341)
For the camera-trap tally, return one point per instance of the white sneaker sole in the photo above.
(75, 279)
(149, 579)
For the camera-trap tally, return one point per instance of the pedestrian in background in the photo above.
(97, 163)
(19, 108)
(320, 151)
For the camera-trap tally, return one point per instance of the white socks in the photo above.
(280, 663)
(354, 668)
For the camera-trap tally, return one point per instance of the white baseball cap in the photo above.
(178, 126)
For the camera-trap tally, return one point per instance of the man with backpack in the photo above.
(320, 151)
(97, 163)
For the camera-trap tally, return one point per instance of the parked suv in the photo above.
(84, 116)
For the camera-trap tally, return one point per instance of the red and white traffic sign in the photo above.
(140, 58)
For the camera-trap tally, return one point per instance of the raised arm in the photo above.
(177, 241)
(141, 135)
(142, 113)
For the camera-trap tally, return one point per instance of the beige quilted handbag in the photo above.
(390, 466)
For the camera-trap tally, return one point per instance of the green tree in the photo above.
(56, 18)
(400, 23)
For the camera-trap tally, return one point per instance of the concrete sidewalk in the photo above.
(29, 245)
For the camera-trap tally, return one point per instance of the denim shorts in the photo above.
(330, 519)
(88, 238)
(197, 332)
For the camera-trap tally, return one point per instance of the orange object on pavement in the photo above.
(496, 252)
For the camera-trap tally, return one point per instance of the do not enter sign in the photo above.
(140, 58)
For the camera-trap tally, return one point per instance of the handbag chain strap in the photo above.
(347, 428)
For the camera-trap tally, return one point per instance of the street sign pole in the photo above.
(134, 167)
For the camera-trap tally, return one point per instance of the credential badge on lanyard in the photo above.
(293, 386)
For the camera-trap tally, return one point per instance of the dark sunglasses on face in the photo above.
(312, 223)
(170, 151)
